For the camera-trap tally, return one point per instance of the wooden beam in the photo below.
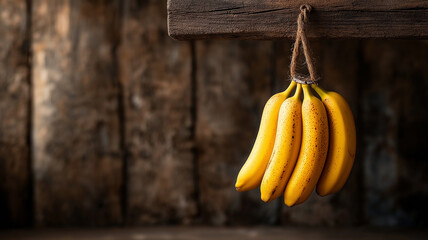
(267, 19)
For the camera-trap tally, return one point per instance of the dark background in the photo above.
(107, 121)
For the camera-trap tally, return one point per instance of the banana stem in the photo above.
(306, 91)
(290, 88)
(298, 91)
(320, 91)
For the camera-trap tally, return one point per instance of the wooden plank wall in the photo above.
(394, 113)
(15, 175)
(156, 77)
(228, 107)
(76, 139)
(107, 121)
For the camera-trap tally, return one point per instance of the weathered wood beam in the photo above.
(268, 19)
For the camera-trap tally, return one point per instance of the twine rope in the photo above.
(302, 40)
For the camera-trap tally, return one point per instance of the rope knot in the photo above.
(301, 39)
(305, 9)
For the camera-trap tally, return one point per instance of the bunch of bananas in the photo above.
(301, 146)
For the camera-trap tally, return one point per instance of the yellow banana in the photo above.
(286, 149)
(342, 146)
(313, 150)
(251, 173)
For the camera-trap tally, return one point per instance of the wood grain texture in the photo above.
(233, 84)
(156, 74)
(267, 19)
(337, 64)
(76, 137)
(15, 196)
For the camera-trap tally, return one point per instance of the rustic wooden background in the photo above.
(105, 120)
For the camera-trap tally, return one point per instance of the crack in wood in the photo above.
(207, 11)
(256, 12)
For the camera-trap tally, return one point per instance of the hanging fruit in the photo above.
(301, 146)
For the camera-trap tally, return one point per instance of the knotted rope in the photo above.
(301, 38)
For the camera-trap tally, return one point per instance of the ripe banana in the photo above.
(342, 146)
(313, 150)
(251, 173)
(286, 149)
